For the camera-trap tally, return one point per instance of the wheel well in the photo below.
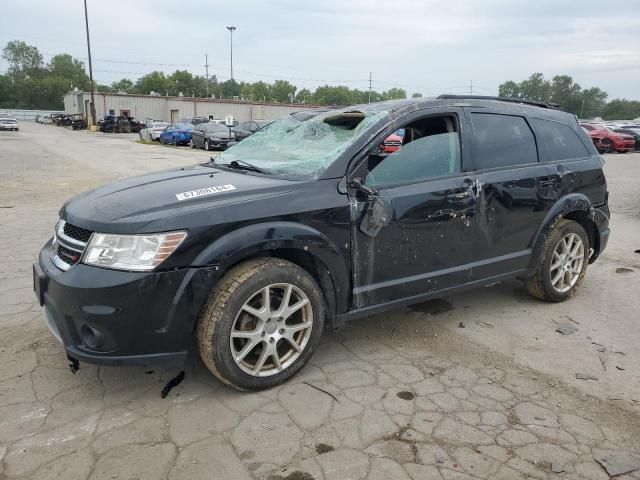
(582, 217)
(315, 267)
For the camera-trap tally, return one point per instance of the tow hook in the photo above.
(74, 364)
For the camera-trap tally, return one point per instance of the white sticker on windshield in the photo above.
(201, 192)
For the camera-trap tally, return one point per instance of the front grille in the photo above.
(77, 233)
(69, 244)
(392, 143)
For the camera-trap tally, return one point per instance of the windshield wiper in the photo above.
(241, 165)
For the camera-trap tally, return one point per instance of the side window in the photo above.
(559, 141)
(502, 141)
(430, 147)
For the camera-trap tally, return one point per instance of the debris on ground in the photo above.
(174, 382)
(323, 391)
(461, 325)
(566, 329)
(484, 324)
(616, 463)
(557, 467)
(268, 427)
(571, 319)
(585, 376)
(603, 361)
(624, 270)
(619, 367)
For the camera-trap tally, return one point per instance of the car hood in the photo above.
(160, 201)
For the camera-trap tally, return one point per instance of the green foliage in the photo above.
(24, 60)
(123, 85)
(394, 94)
(65, 66)
(416, 95)
(621, 109)
(562, 90)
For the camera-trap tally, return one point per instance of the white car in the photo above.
(8, 122)
(152, 131)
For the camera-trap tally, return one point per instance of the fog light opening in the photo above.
(91, 337)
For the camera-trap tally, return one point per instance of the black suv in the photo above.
(307, 224)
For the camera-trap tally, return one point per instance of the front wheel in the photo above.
(261, 324)
(562, 264)
(207, 147)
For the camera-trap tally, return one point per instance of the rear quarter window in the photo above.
(502, 141)
(558, 141)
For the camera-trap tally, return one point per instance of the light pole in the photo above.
(231, 29)
(93, 103)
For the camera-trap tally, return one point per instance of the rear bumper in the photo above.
(600, 216)
(113, 317)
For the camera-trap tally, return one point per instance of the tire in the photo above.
(174, 142)
(225, 312)
(206, 145)
(608, 146)
(541, 285)
(191, 144)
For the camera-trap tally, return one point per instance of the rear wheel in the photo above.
(607, 146)
(261, 324)
(562, 264)
(175, 142)
(206, 145)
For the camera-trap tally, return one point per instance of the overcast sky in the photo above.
(422, 46)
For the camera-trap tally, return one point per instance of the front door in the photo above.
(414, 220)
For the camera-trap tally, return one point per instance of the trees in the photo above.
(394, 94)
(621, 109)
(67, 67)
(123, 85)
(562, 90)
(24, 60)
(152, 82)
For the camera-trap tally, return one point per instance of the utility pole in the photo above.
(471, 88)
(93, 103)
(369, 87)
(206, 67)
(231, 29)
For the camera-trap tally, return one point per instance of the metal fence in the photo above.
(30, 115)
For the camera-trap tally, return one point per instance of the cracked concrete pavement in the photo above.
(416, 397)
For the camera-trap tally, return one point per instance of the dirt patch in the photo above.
(324, 448)
(404, 395)
(624, 270)
(433, 307)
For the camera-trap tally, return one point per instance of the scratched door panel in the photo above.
(427, 238)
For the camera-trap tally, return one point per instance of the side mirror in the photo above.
(358, 185)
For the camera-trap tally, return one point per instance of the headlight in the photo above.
(131, 252)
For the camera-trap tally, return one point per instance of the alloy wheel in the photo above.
(567, 262)
(271, 330)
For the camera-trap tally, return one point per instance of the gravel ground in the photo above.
(404, 395)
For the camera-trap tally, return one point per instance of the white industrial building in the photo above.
(171, 109)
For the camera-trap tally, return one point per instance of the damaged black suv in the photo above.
(308, 223)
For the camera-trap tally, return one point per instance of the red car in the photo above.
(608, 141)
(392, 143)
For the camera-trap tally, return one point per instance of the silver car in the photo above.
(152, 131)
(8, 122)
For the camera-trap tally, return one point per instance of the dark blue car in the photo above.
(176, 134)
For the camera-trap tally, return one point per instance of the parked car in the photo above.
(210, 136)
(393, 142)
(8, 122)
(119, 124)
(305, 225)
(75, 120)
(176, 134)
(608, 141)
(152, 131)
(635, 133)
(193, 120)
(246, 129)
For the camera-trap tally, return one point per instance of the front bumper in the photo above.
(114, 317)
(8, 126)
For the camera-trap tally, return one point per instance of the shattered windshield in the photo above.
(301, 149)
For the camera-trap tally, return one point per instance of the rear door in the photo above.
(515, 190)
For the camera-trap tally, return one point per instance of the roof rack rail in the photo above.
(501, 99)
